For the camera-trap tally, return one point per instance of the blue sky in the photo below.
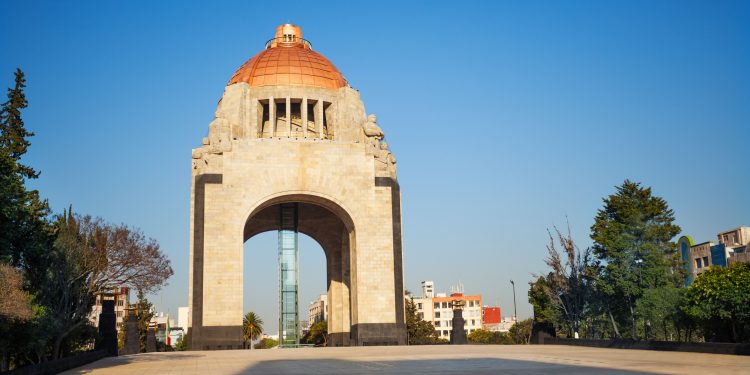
(506, 118)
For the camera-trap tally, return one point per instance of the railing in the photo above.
(285, 42)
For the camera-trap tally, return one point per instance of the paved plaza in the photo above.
(470, 359)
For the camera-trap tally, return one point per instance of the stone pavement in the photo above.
(413, 360)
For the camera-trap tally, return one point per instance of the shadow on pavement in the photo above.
(424, 366)
(111, 362)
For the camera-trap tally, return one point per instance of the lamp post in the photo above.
(515, 313)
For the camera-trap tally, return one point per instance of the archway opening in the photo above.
(261, 278)
(320, 224)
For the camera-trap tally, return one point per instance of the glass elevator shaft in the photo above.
(288, 276)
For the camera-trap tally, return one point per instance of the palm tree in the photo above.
(252, 327)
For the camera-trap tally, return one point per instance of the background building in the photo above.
(491, 318)
(121, 296)
(428, 289)
(732, 247)
(317, 311)
(737, 243)
(182, 318)
(437, 309)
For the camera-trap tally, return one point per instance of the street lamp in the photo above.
(515, 312)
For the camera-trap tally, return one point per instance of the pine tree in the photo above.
(13, 134)
(632, 236)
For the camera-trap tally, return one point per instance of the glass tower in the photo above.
(288, 277)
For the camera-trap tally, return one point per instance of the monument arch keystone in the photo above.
(290, 132)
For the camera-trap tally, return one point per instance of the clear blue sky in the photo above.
(506, 118)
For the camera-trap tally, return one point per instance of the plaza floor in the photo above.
(413, 360)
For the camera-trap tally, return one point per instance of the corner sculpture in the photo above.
(290, 130)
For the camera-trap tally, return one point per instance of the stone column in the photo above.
(272, 115)
(304, 116)
(319, 118)
(289, 116)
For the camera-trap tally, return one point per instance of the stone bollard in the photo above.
(151, 340)
(108, 328)
(132, 343)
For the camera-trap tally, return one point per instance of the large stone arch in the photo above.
(309, 140)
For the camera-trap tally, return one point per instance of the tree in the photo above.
(419, 332)
(252, 327)
(24, 235)
(569, 284)
(64, 261)
(632, 237)
(15, 303)
(183, 343)
(318, 334)
(544, 311)
(13, 134)
(90, 256)
(16, 309)
(660, 309)
(145, 311)
(719, 299)
(521, 331)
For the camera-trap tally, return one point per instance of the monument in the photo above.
(458, 333)
(292, 150)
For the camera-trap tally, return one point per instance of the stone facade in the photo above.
(308, 145)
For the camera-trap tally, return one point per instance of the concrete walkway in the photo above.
(412, 360)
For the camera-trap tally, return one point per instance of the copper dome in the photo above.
(289, 60)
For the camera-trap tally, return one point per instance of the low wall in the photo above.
(59, 365)
(697, 347)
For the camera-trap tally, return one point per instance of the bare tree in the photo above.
(569, 283)
(91, 256)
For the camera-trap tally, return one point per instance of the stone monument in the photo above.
(132, 340)
(290, 131)
(108, 327)
(458, 334)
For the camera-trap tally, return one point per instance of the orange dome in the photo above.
(289, 60)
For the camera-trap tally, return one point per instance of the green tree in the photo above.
(632, 236)
(252, 328)
(521, 331)
(13, 134)
(660, 309)
(183, 343)
(66, 295)
(145, 311)
(24, 235)
(419, 332)
(719, 300)
(318, 334)
(544, 311)
(25, 238)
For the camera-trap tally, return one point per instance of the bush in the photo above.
(482, 336)
(266, 343)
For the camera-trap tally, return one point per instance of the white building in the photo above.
(437, 309)
(182, 318)
(428, 289)
(317, 311)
